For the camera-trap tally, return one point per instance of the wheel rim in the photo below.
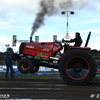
(24, 66)
(77, 68)
(34, 68)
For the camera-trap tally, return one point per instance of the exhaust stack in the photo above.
(30, 39)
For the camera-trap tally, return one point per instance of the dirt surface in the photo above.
(46, 88)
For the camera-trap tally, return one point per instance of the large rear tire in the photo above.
(25, 66)
(77, 67)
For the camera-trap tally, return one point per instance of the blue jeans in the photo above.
(11, 70)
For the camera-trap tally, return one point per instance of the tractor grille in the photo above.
(21, 48)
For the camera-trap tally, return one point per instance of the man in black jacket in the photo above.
(77, 40)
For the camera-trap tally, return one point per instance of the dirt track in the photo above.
(46, 88)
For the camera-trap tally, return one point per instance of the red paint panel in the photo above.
(98, 69)
(37, 49)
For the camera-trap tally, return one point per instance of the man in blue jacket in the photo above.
(8, 61)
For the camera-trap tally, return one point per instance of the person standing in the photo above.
(8, 61)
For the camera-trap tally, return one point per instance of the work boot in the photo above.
(11, 76)
(7, 77)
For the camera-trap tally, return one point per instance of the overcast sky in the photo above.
(17, 17)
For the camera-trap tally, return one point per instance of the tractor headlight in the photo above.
(55, 61)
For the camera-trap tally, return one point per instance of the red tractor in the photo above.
(76, 65)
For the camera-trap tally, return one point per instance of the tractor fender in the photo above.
(87, 49)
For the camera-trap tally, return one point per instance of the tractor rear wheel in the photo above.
(77, 67)
(34, 69)
(25, 66)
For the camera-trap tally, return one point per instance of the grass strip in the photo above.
(32, 75)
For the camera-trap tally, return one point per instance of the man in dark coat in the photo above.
(77, 40)
(8, 61)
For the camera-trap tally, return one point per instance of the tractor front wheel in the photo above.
(34, 69)
(25, 66)
(77, 67)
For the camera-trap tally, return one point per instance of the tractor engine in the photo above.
(43, 49)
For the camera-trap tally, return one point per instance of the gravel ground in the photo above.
(46, 88)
